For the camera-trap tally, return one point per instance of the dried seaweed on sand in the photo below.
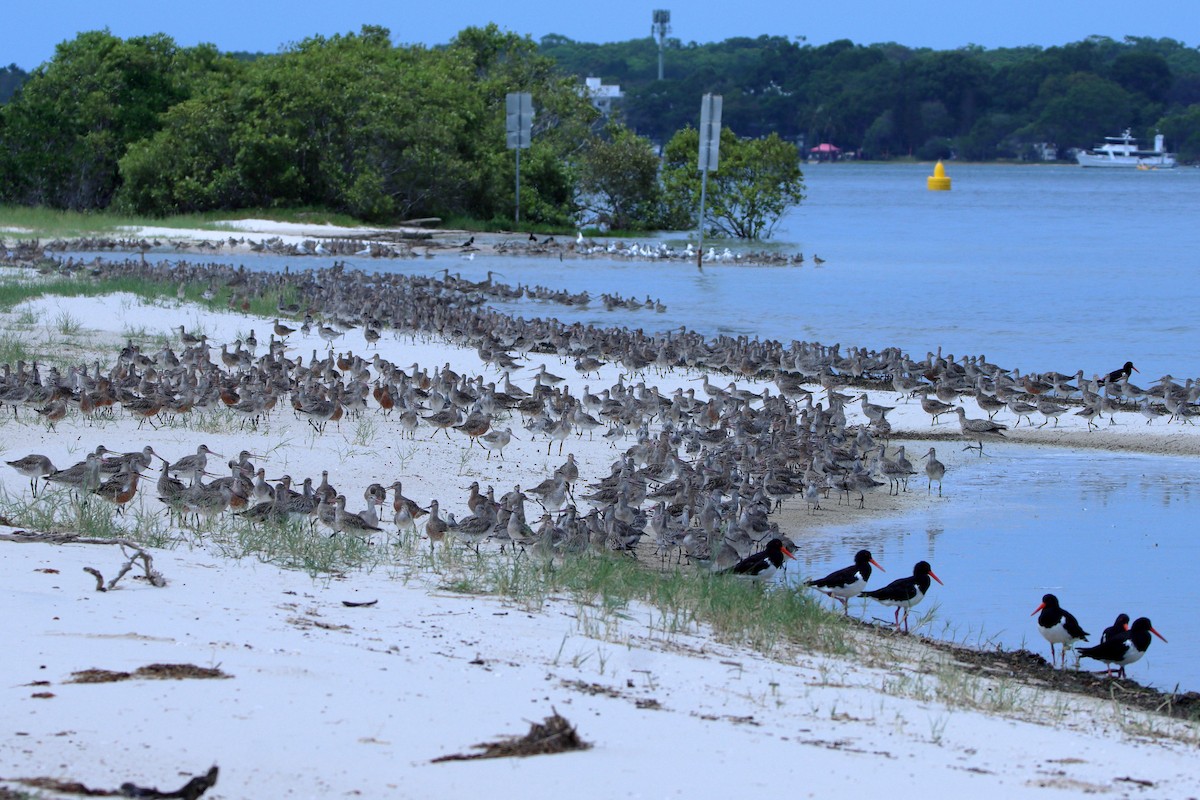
(553, 735)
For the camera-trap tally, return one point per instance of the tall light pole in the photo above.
(660, 28)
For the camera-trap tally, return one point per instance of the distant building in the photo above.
(824, 152)
(602, 95)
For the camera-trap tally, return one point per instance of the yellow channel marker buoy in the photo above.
(938, 182)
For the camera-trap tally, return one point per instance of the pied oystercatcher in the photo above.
(1058, 626)
(848, 582)
(1116, 629)
(1118, 374)
(1125, 648)
(763, 564)
(906, 592)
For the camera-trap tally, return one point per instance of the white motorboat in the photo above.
(1123, 152)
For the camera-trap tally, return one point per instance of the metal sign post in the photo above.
(710, 145)
(518, 107)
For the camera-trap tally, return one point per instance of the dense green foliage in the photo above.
(889, 100)
(349, 123)
(757, 180)
(618, 178)
(12, 78)
(63, 133)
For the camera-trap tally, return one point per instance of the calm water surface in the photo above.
(1106, 532)
(1043, 268)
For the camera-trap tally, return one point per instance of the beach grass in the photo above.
(16, 288)
(14, 291)
(13, 348)
(68, 325)
(679, 601)
(295, 545)
(60, 511)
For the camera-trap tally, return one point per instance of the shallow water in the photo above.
(1106, 532)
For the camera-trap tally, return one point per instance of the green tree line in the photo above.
(350, 123)
(888, 100)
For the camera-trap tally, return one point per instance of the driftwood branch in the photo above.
(153, 576)
(99, 578)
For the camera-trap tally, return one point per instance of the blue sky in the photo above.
(32, 29)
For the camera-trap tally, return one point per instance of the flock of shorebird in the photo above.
(412, 245)
(702, 469)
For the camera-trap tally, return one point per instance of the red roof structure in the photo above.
(825, 152)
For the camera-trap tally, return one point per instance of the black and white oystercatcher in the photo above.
(1118, 374)
(1125, 648)
(763, 564)
(1116, 629)
(848, 582)
(906, 592)
(1058, 626)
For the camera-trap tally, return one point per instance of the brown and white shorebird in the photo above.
(170, 490)
(56, 408)
(497, 440)
(83, 477)
(478, 527)
(476, 499)
(119, 489)
(979, 429)
(187, 339)
(475, 425)
(329, 334)
(442, 421)
(138, 459)
(194, 465)
(569, 470)
(935, 408)
(435, 526)
(934, 470)
(407, 511)
(33, 466)
(348, 522)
